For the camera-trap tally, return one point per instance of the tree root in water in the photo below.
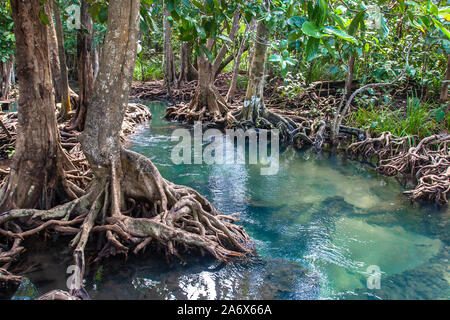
(132, 209)
(176, 217)
(428, 162)
(208, 106)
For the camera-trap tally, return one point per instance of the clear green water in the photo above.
(318, 225)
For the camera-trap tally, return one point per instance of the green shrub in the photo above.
(147, 70)
(419, 119)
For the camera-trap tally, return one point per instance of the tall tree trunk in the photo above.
(54, 53)
(169, 59)
(187, 71)
(85, 70)
(6, 69)
(444, 91)
(35, 172)
(254, 105)
(237, 62)
(350, 76)
(254, 112)
(65, 89)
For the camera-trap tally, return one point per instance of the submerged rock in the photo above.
(429, 281)
(337, 206)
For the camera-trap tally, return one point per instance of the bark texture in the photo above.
(54, 53)
(170, 75)
(187, 72)
(6, 69)
(34, 175)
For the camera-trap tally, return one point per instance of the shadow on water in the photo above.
(318, 224)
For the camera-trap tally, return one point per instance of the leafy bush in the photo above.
(421, 119)
(147, 70)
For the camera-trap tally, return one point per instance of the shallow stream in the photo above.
(321, 226)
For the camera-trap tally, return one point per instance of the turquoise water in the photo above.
(318, 225)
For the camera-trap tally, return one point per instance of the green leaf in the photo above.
(207, 53)
(330, 50)
(312, 48)
(440, 114)
(340, 34)
(294, 35)
(225, 38)
(275, 58)
(103, 15)
(353, 27)
(201, 32)
(290, 61)
(296, 21)
(310, 29)
(442, 28)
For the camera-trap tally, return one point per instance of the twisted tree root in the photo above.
(428, 162)
(180, 218)
(8, 280)
(207, 106)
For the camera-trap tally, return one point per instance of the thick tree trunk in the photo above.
(54, 54)
(65, 89)
(170, 75)
(187, 71)
(101, 136)
(444, 91)
(254, 106)
(85, 70)
(34, 175)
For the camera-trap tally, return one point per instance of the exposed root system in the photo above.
(155, 211)
(428, 163)
(133, 209)
(207, 105)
